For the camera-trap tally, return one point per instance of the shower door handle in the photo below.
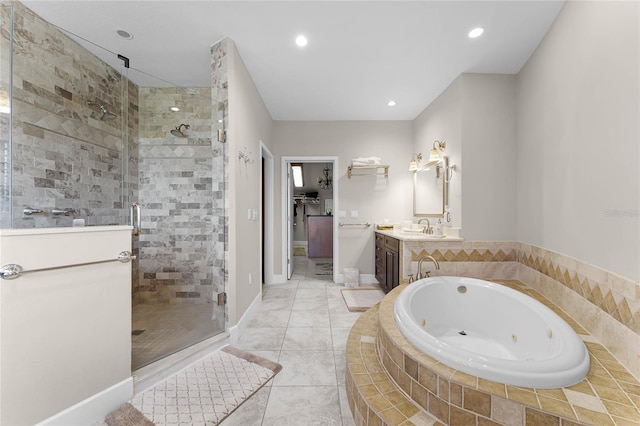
(135, 218)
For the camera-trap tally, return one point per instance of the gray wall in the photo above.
(374, 197)
(476, 118)
(249, 125)
(578, 153)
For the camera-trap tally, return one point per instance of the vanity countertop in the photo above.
(416, 236)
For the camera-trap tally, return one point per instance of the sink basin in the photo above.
(420, 236)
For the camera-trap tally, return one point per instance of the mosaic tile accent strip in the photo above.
(615, 295)
(608, 396)
(208, 391)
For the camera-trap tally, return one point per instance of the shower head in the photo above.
(105, 115)
(178, 132)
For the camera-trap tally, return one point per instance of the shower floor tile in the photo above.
(163, 329)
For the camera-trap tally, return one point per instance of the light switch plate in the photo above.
(354, 214)
(342, 214)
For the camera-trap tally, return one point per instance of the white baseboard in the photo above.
(236, 331)
(364, 279)
(94, 408)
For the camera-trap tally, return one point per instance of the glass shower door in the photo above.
(179, 272)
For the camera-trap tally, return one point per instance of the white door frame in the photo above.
(269, 213)
(287, 203)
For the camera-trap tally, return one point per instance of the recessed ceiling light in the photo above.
(476, 32)
(174, 108)
(301, 41)
(125, 34)
(391, 103)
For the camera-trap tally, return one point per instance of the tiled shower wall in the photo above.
(5, 89)
(220, 102)
(63, 155)
(178, 186)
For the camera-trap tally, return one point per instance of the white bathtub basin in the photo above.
(491, 331)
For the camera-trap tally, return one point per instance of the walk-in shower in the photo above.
(98, 141)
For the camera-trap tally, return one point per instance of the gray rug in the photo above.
(361, 299)
(324, 269)
(206, 392)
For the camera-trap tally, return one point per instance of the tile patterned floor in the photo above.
(303, 324)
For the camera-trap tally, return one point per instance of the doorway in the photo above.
(309, 228)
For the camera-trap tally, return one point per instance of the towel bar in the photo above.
(367, 224)
(12, 271)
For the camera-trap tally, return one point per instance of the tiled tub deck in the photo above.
(390, 382)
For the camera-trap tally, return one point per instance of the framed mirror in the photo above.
(429, 192)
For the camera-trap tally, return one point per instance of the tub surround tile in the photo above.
(583, 400)
(458, 398)
(607, 304)
(506, 412)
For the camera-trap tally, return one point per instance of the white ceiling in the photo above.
(360, 55)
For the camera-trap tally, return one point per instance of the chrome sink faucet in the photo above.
(428, 229)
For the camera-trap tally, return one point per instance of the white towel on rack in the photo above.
(365, 161)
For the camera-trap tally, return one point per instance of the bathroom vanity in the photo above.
(393, 254)
(387, 261)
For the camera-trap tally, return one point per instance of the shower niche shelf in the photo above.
(379, 170)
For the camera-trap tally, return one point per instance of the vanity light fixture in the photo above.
(434, 157)
(413, 165)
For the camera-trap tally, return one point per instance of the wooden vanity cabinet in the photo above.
(387, 261)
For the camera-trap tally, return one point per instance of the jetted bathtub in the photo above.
(491, 331)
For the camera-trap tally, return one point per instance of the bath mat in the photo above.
(127, 415)
(205, 392)
(299, 251)
(324, 269)
(361, 299)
